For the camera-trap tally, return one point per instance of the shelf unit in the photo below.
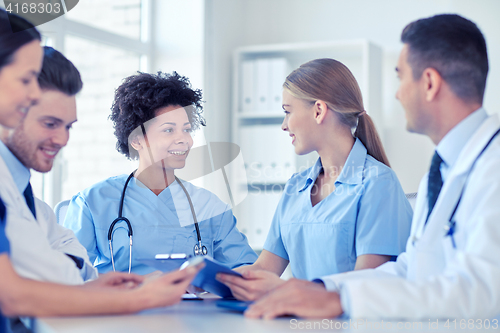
(259, 134)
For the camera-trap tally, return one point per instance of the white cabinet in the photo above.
(270, 160)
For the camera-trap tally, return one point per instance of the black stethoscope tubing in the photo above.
(450, 227)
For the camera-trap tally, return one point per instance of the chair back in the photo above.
(412, 198)
(60, 210)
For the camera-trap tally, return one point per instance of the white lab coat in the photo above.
(432, 279)
(38, 247)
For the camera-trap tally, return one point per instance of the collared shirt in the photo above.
(4, 242)
(367, 213)
(161, 224)
(451, 145)
(38, 250)
(19, 172)
(4, 249)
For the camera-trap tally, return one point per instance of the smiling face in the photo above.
(44, 131)
(299, 122)
(19, 88)
(168, 139)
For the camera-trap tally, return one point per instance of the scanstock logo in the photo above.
(39, 11)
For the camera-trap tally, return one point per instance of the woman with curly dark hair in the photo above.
(153, 116)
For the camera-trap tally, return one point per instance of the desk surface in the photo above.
(204, 316)
(187, 316)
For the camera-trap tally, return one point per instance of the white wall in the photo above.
(233, 23)
(179, 39)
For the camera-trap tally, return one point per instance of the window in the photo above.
(122, 17)
(106, 45)
(91, 157)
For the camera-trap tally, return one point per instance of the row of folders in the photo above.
(261, 84)
(268, 154)
(255, 215)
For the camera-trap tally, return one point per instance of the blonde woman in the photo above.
(345, 213)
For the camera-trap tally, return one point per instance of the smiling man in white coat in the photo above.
(451, 267)
(40, 248)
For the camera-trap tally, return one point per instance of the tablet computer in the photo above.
(206, 277)
(234, 305)
(166, 262)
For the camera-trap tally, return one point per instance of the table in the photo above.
(187, 316)
(205, 317)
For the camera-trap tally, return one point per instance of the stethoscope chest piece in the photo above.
(450, 229)
(200, 249)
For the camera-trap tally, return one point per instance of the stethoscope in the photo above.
(450, 226)
(199, 249)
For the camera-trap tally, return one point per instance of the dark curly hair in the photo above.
(139, 97)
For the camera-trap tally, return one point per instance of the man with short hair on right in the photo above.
(451, 267)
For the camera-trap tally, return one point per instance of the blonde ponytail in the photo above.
(368, 135)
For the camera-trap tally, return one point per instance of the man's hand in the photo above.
(152, 275)
(254, 285)
(116, 280)
(298, 298)
(167, 289)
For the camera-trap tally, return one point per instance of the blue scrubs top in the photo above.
(161, 224)
(4, 249)
(367, 213)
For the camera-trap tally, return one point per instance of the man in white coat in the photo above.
(40, 248)
(451, 267)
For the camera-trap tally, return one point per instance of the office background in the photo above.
(110, 39)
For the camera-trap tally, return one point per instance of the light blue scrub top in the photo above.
(368, 213)
(161, 224)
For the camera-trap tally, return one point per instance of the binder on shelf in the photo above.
(248, 72)
(279, 72)
(242, 213)
(260, 216)
(268, 154)
(279, 158)
(263, 85)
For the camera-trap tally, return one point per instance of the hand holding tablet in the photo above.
(252, 285)
(206, 277)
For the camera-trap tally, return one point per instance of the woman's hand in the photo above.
(253, 285)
